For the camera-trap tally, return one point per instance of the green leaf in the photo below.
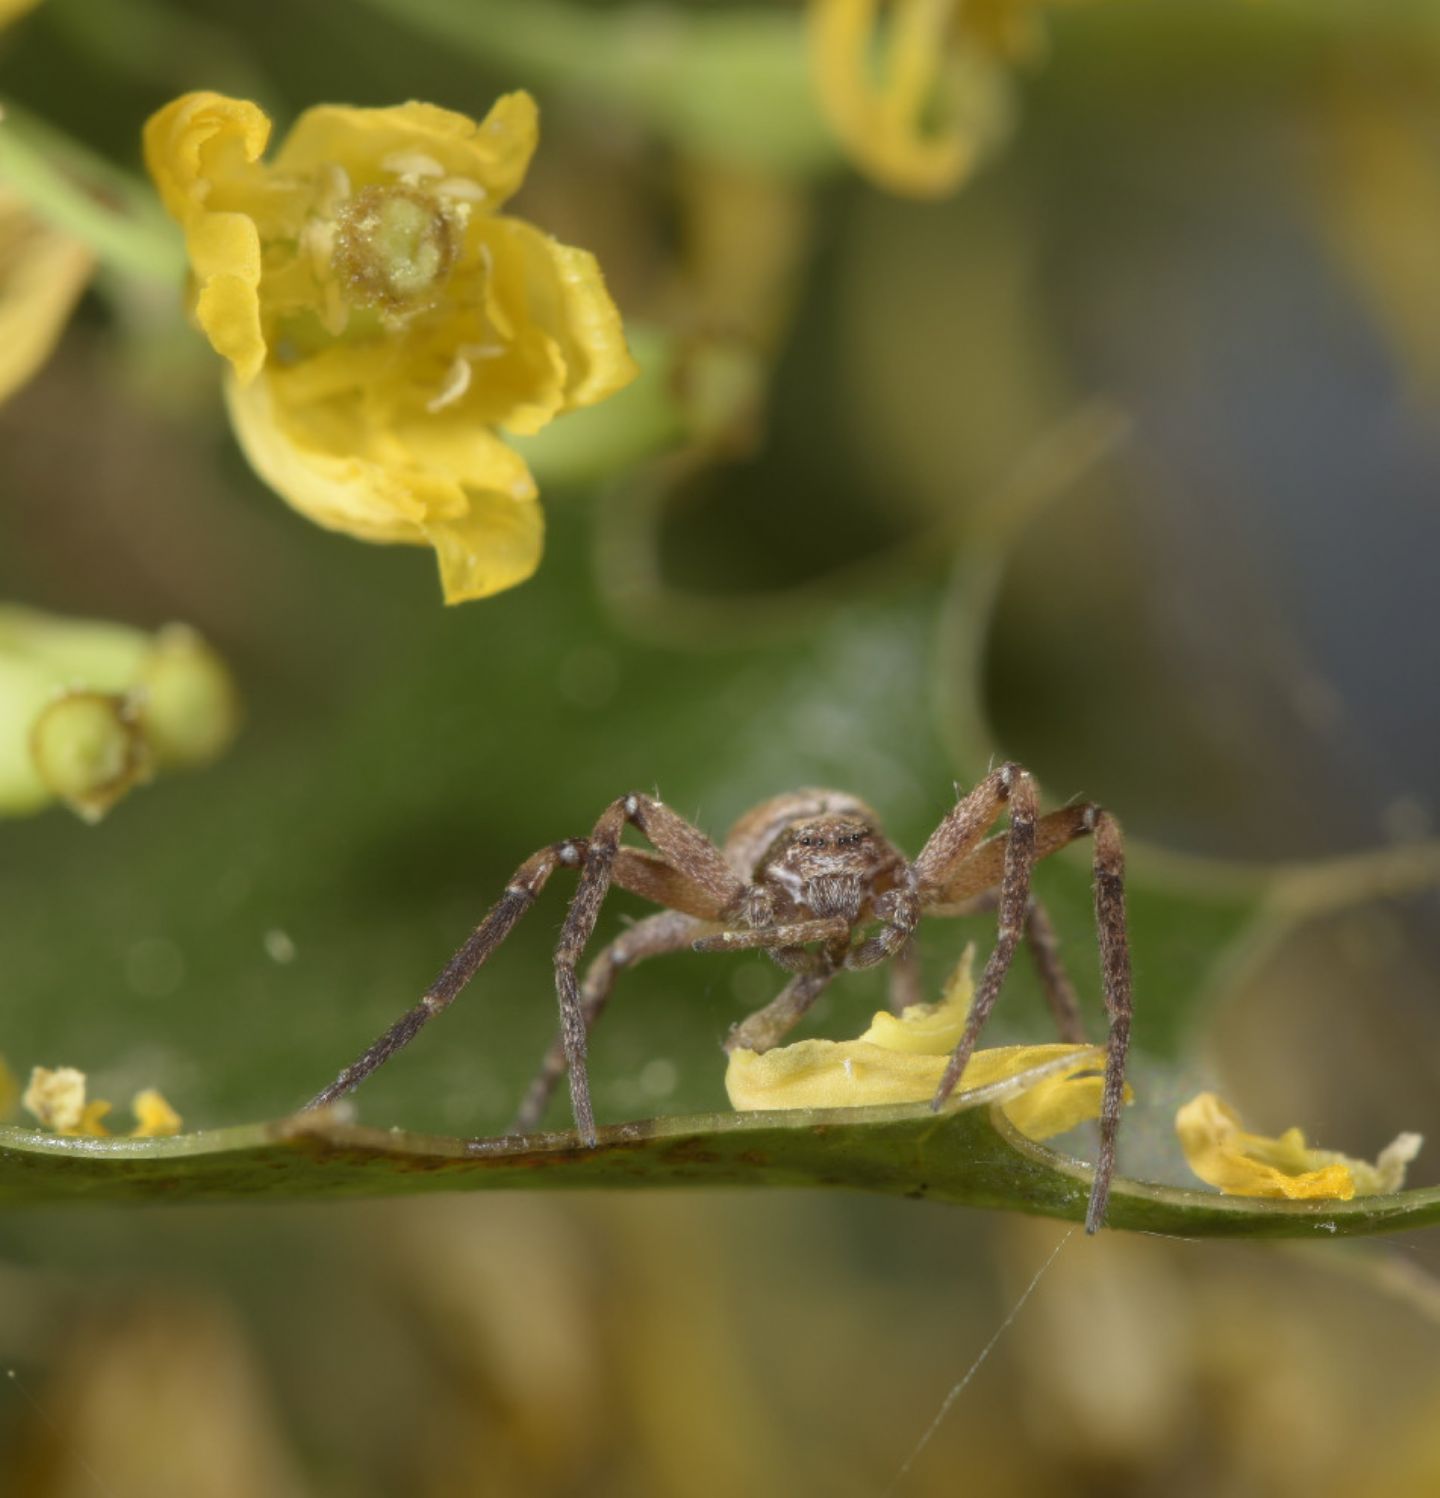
(972, 1157)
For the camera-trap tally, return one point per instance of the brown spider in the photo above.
(799, 877)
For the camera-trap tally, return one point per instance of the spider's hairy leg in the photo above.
(1044, 947)
(668, 931)
(525, 884)
(961, 828)
(767, 1027)
(686, 851)
(1116, 977)
(766, 938)
(1014, 899)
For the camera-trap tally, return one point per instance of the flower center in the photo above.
(394, 247)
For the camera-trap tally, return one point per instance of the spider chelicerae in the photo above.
(810, 878)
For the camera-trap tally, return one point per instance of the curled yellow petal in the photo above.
(384, 322)
(1223, 1154)
(901, 1059)
(202, 152)
(918, 116)
(42, 275)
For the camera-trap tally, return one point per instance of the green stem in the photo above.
(732, 86)
(79, 192)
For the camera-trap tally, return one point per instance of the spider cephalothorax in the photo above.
(830, 865)
(810, 878)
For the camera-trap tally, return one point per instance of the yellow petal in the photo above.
(882, 120)
(494, 546)
(9, 1091)
(154, 1117)
(203, 151)
(447, 483)
(225, 256)
(372, 145)
(201, 144)
(42, 275)
(561, 289)
(1223, 1154)
(857, 1074)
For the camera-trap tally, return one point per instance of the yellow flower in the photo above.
(901, 1060)
(1222, 1154)
(383, 319)
(57, 1099)
(42, 275)
(918, 117)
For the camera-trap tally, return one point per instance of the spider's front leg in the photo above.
(525, 884)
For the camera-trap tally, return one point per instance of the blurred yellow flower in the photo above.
(10, 10)
(42, 275)
(917, 107)
(1222, 1154)
(901, 1060)
(383, 319)
(57, 1098)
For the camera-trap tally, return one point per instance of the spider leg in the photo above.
(1044, 948)
(961, 828)
(979, 871)
(667, 931)
(1014, 897)
(796, 933)
(1115, 973)
(697, 859)
(767, 1027)
(525, 884)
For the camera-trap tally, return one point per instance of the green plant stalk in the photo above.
(733, 86)
(87, 197)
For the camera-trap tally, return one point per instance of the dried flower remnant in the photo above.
(916, 100)
(901, 1060)
(57, 1099)
(384, 321)
(89, 710)
(1222, 1153)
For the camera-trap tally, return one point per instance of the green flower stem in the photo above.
(104, 207)
(733, 86)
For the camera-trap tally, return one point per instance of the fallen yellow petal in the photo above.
(1223, 1154)
(901, 1059)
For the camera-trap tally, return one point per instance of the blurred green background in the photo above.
(1123, 461)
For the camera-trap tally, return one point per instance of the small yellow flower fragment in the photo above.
(384, 321)
(57, 1099)
(1223, 1154)
(154, 1117)
(901, 1060)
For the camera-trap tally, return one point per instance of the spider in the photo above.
(809, 878)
